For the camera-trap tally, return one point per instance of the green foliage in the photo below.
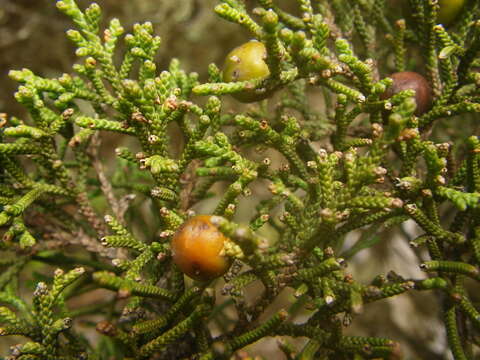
(361, 163)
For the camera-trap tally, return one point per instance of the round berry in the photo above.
(198, 249)
(449, 10)
(247, 62)
(409, 80)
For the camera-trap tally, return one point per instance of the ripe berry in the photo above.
(247, 62)
(449, 10)
(197, 249)
(409, 80)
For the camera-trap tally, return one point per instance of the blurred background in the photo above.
(32, 35)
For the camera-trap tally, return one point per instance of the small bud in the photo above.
(41, 289)
(58, 272)
(3, 119)
(396, 203)
(116, 262)
(138, 116)
(440, 180)
(123, 293)
(106, 328)
(153, 139)
(66, 114)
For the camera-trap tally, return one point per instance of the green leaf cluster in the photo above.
(359, 163)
